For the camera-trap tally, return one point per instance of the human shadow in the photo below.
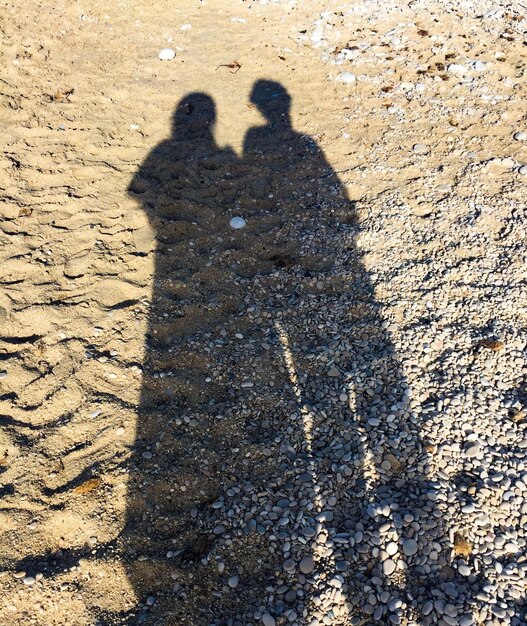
(278, 471)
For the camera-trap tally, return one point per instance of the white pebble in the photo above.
(420, 148)
(347, 78)
(479, 66)
(456, 68)
(520, 136)
(237, 223)
(167, 54)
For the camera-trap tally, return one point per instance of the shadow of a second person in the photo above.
(277, 467)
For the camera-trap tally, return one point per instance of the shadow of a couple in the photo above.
(278, 470)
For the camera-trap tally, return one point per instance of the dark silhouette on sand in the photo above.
(239, 325)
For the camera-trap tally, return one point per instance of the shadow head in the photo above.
(195, 114)
(272, 100)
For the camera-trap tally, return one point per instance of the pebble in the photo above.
(457, 68)
(237, 223)
(479, 66)
(347, 77)
(307, 564)
(473, 451)
(520, 135)
(29, 580)
(523, 170)
(388, 567)
(290, 596)
(410, 547)
(464, 570)
(233, 582)
(268, 620)
(167, 54)
(421, 148)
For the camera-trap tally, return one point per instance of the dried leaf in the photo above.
(61, 96)
(462, 546)
(235, 66)
(89, 485)
(397, 465)
(519, 416)
(492, 344)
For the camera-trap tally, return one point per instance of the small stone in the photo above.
(347, 78)
(289, 565)
(388, 567)
(268, 620)
(457, 68)
(410, 547)
(427, 607)
(482, 519)
(520, 136)
(233, 582)
(29, 580)
(333, 372)
(473, 451)
(421, 148)
(392, 548)
(479, 66)
(464, 570)
(147, 454)
(3, 375)
(523, 170)
(21, 574)
(151, 600)
(167, 54)
(307, 565)
(237, 223)
(290, 596)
